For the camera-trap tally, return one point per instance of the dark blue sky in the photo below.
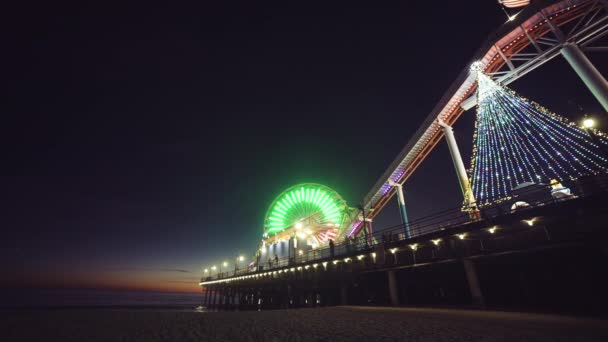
(143, 143)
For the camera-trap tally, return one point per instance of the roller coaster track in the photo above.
(534, 37)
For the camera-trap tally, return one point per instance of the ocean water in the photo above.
(97, 298)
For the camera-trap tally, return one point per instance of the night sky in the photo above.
(141, 144)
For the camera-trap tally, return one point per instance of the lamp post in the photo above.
(238, 259)
(225, 264)
(205, 274)
(213, 268)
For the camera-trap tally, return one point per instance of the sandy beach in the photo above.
(322, 324)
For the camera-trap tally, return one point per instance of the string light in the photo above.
(517, 140)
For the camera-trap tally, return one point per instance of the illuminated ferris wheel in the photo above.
(313, 212)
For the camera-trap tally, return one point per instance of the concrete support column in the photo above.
(344, 294)
(258, 300)
(235, 299)
(220, 299)
(474, 288)
(392, 287)
(238, 299)
(461, 172)
(284, 297)
(587, 72)
(402, 210)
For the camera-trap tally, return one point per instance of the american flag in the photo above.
(514, 3)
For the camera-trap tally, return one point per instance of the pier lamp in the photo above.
(588, 122)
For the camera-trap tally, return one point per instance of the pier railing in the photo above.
(535, 196)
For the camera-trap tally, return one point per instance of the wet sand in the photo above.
(321, 324)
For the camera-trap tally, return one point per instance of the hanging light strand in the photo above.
(517, 140)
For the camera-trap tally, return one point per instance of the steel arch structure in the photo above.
(537, 35)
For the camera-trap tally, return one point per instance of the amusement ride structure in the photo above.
(517, 142)
(542, 31)
(305, 216)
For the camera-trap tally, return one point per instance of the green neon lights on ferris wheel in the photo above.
(302, 201)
